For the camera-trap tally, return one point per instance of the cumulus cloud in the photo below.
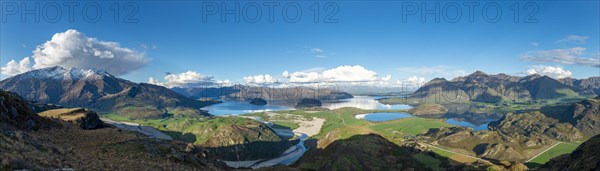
(434, 71)
(554, 72)
(74, 49)
(415, 80)
(571, 56)
(260, 79)
(344, 73)
(185, 79)
(573, 39)
(13, 67)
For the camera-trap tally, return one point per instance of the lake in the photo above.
(475, 121)
(240, 107)
(380, 117)
(363, 102)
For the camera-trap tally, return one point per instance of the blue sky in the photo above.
(174, 39)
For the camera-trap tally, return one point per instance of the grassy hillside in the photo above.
(242, 138)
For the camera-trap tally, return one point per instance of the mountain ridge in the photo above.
(98, 90)
(482, 87)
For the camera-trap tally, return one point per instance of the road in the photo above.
(453, 152)
(543, 151)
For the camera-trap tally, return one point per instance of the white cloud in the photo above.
(223, 82)
(316, 50)
(386, 78)
(185, 79)
(535, 44)
(344, 73)
(13, 67)
(415, 80)
(554, 72)
(571, 56)
(320, 53)
(74, 49)
(260, 79)
(434, 71)
(573, 39)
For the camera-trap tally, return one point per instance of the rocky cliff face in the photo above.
(585, 157)
(97, 90)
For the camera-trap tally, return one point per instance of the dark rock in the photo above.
(85, 119)
(309, 103)
(258, 101)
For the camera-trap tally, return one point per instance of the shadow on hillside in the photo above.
(371, 151)
(186, 137)
(251, 151)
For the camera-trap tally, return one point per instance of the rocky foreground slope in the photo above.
(362, 152)
(37, 143)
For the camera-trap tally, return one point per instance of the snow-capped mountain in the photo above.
(98, 90)
(58, 72)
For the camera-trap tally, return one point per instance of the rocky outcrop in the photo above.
(536, 124)
(585, 116)
(485, 144)
(258, 101)
(85, 119)
(308, 103)
(429, 109)
(585, 157)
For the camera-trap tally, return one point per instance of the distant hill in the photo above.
(244, 92)
(482, 87)
(99, 91)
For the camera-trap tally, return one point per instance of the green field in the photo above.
(411, 126)
(560, 149)
(285, 125)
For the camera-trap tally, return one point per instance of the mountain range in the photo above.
(100, 91)
(481, 87)
(246, 92)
